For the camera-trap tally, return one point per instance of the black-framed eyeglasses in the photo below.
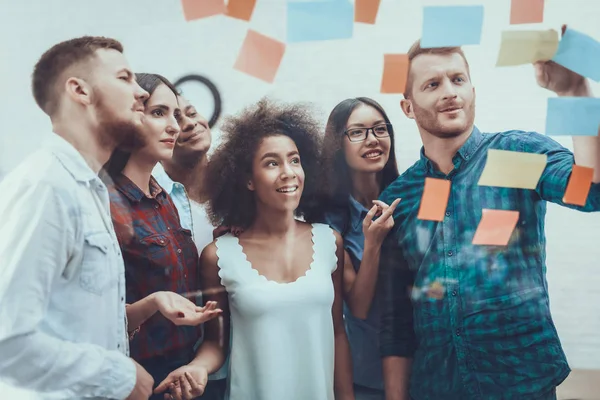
(360, 134)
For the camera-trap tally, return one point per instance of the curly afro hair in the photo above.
(230, 202)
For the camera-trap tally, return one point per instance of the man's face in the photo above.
(442, 99)
(118, 99)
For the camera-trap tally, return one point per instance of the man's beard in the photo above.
(428, 120)
(118, 133)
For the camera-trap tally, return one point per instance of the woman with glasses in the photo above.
(360, 162)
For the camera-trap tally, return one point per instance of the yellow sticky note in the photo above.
(512, 169)
(527, 47)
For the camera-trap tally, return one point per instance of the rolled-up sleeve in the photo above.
(397, 337)
(36, 235)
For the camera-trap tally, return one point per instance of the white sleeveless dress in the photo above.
(283, 342)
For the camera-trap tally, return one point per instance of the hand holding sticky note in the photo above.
(573, 116)
(495, 227)
(527, 47)
(580, 53)
(512, 169)
(434, 199)
(451, 26)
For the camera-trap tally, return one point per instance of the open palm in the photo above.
(182, 311)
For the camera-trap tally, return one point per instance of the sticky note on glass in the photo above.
(434, 199)
(573, 116)
(580, 53)
(240, 9)
(579, 185)
(365, 11)
(319, 20)
(512, 169)
(196, 9)
(451, 26)
(495, 227)
(260, 56)
(526, 11)
(527, 47)
(395, 73)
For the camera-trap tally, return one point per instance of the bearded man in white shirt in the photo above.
(62, 293)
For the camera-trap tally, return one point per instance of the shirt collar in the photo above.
(133, 192)
(357, 212)
(465, 152)
(71, 159)
(163, 179)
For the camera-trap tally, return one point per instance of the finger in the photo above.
(197, 388)
(390, 211)
(369, 217)
(176, 391)
(186, 388)
(164, 385)
(168, 396)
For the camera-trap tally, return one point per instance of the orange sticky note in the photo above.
(434, 199)
(366, 11)
(496, 227)
(260, 56)
(395, 73)
(196, 9)
(526, 11)
(579, 185)
(241, 9)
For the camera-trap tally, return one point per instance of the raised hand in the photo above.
(181, 311)
(376, 231)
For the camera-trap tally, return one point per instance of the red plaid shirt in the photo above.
(159, 255)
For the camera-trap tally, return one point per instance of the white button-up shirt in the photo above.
(62, 282)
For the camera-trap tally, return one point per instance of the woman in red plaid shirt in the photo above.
(161, 259)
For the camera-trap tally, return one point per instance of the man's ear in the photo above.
(407, 108)
(79, 90)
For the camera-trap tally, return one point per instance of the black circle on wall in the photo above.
(213, 90)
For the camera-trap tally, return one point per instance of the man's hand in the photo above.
(185, 383)
(559, 79)
(143, 384)
(181, 311)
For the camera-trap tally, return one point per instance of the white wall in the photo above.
(157, 39)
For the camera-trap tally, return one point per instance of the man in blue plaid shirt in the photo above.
(474, 321)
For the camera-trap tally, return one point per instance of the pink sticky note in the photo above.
(260, 56)
(526, 11)
(434, 199)
(196, 9)
(495, 227)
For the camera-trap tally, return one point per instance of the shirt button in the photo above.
(156, 206)
(118, 346)
(458, 332)
(450, 253)
(122, 298)
(179, 251)
(168, 228)
(447, 213)
(162, 241)
(454, 293)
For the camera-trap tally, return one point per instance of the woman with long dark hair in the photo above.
(359, 162)
(159, 254)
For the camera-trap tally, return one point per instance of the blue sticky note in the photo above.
(319, 20)
(451, 26)
(573, 116)
(580, 53)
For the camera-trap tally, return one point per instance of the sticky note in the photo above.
(260, 56)
(319, 20)
(526, 11)
(196, 9)
(451, 26)
(365, 11)
(579, 185)
(495, 227)
(395, 73)
(573, 116)
(580, 53)
(527, 47)
(512, 169)
(434, 199)
(240, 9)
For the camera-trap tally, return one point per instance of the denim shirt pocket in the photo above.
(95, 275)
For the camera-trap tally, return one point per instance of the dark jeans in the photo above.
(366, 393)
(550, 395)
(161, 367)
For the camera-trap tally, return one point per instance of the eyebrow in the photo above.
(188, 108)
(275, 155)
(361, 125)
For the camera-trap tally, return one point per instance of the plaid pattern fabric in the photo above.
(482, 324)
(159, 255)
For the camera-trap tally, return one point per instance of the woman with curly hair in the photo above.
(359, 162)
(280, 280)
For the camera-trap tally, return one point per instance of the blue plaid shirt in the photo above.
(481, 316)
